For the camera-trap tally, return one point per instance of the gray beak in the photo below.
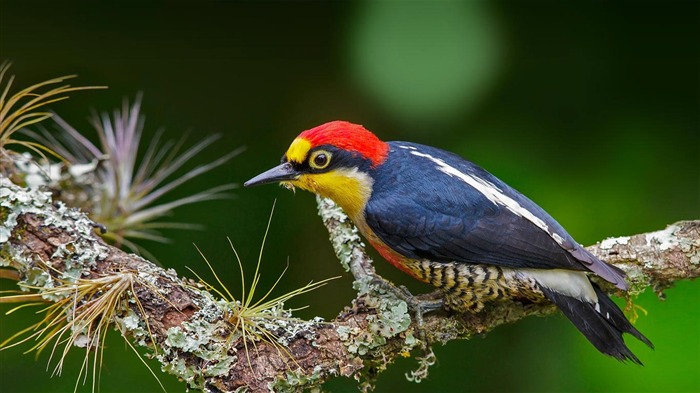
(282, 172)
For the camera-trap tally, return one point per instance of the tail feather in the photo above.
(602, 323)
(610, 273)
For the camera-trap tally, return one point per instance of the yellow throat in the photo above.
(349, 188)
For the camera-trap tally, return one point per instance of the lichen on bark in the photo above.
(186, 328)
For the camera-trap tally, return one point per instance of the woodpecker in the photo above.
(452, 224)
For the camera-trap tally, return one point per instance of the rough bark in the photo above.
(195, 337)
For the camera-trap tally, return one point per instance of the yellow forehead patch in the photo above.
(298, 150)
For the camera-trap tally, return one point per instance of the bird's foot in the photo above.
(415, 304)
(419, 306)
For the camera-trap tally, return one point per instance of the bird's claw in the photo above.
(416, 305)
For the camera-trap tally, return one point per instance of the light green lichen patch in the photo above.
(410, 340)
(298, 382)
(392, 316)
(668, 238)
(612, 241)
(345, 239)
(5, 233)
(77, 255)
(204, 334)
(637, 280)
(391, 319)
(131, 321)
(128, 321)
(663, 239)
(208, 336)
(184, 371)
(16, 201)
(222, 367)
(202, 337)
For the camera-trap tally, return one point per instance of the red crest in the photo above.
(348, 136)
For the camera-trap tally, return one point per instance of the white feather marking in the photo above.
(557, 238)
(407, 147)
(597, 307)
(567, 282)
(607, 315)
(492, 193)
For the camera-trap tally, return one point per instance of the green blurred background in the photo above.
(589, 108)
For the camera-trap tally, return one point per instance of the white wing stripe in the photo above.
(491, 192)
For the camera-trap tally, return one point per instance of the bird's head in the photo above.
(334, 160)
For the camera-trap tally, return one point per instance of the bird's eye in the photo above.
(320, 159)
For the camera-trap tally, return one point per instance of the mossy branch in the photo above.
(191, 333)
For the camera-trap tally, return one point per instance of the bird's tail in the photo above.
(602, 323)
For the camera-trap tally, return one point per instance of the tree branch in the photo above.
(54, 251)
